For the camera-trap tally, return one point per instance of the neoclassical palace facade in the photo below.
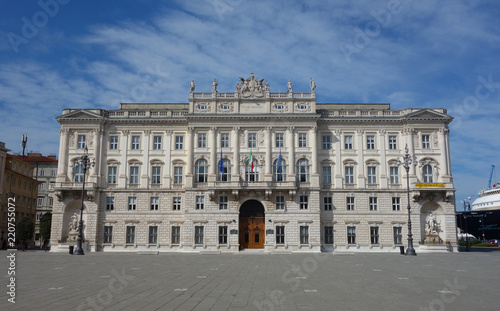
(254, 169)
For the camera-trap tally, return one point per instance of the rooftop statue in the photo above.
(252, 87)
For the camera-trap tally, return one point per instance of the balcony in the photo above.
(255, 185)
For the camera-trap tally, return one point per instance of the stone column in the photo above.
(291, 153)
(269, 158)
(361, 160)
(122, 177)
(338, 159)
(383, 159)
(145, 159)
(62, 169)
(168, 162)
(448, 160)
(443, 156)
(190, 155)
(212, 143)
(410, 133)
(236, 154)
(314, 157)
(97, 153)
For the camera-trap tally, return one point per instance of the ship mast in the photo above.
(491, 175)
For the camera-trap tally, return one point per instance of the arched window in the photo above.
(224, 171)
(201, 171)
(279, 173)
(78, 172)
(427, 172)
(252, 175)
(303, 170)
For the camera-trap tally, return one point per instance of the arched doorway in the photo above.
(252, 225)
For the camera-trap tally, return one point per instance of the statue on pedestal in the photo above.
(192, 86)
(290, 86)
(73, 225)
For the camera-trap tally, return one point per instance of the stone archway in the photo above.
(251, 225)
(432, 222)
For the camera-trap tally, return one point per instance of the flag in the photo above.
(221, 163)
(278, 163)
(250, 161)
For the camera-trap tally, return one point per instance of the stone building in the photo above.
(295, 175)
(19, 186)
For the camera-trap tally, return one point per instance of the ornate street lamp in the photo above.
(407, 161)
(85, 162)
(466, 215)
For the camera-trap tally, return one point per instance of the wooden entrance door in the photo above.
(252, 232)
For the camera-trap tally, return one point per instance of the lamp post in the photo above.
(407, 161)
(85, 162)
(466, 205)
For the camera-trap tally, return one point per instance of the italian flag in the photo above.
(250, 161)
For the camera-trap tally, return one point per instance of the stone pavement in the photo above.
(128, 281)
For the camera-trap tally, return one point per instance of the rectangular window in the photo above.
(134, 174)
(136, 142)
(110, 203)
(396, 204)
(350, 203)
(426, 141)
(327, 174)
(223, 235)
(328, 235)
(348, 142)
(224, 140)
(176, 235)
(280, 202)
(327, 203)
(373, 203)
(374, 235)
(177, 174)
(156, 142)
(394, 174)
(351, 235)
(370, 142)
(280, 234)
(130, 234)
(223, 202)
(179, 141)
(132, 203)
(252, 140)
(53, 173)
(200, 202)
(279, 140)
(153, 234)
(393, 143)
(198, 235)
(42, 173)
(202, 140)
(326, 142)
(349, 174)
(39, 201)
(155, 202)
(177, 202)
(303, 202)
(82, 141)
(156, 174)
(113, 142)
(304, 235)
(302, 140)
(112, 174)
(398, 235)
(51, 201)
(108, 234)
(372, 175)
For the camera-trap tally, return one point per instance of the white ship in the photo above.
(488, 199)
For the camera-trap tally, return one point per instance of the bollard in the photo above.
(71, 249)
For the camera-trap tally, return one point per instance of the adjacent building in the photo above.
(254, 169)
(44, 172)
(19, 186)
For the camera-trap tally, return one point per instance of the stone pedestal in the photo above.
(72, 237)
(432, 239)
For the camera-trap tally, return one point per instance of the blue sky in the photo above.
(57, 54)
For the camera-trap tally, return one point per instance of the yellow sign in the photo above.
(429, 185)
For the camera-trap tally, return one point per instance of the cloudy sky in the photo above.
(57, 54)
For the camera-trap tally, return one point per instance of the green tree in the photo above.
(24, 229)
(45, 226)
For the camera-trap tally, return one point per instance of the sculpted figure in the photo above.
(214, 86)
(290, 85)
(73, 225)
(192, 85)
(313, 86)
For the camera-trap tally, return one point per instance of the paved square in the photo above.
(125, 281)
